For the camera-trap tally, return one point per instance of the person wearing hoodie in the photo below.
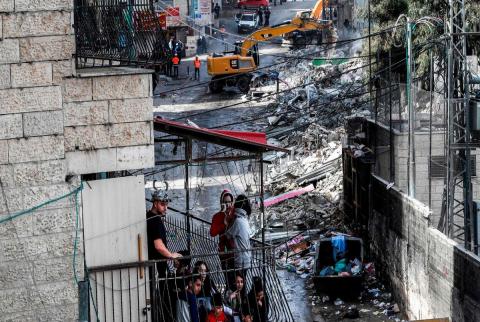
(220, 221)
(239, 232)
(187, 308)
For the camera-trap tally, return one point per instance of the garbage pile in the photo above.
(373, 302)
(297, 255)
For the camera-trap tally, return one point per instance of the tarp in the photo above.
(287, 195)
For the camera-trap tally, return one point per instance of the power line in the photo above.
(303, 85)
(341, 42)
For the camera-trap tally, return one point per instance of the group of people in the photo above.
(264, 13)
(176, 49)
(185, 294)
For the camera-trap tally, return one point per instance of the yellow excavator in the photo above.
(236, 68)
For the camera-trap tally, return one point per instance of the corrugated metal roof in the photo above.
(247, 141)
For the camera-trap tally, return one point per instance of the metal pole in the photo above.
(369, 52)
(188, 157)
(430, 133)
(467, 178)
(392, 143)
(262, 210)
(450, 157)
(278, 88)
(411, 115)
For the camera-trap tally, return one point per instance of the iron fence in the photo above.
(133, 292)
(119, 32)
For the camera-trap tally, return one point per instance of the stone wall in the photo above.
(432, 276)
(108, 120)
(56, 123)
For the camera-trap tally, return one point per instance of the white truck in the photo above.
(246, 21)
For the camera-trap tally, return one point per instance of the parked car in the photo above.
(247, 22)
(245, 4)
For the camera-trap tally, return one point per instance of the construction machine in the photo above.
(237, 68)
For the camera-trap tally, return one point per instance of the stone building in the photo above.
(57, 124)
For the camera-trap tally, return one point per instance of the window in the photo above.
(439, 166)
(245, 64)
(248, 18)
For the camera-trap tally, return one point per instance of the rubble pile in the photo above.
(309, 211)
(308, 120)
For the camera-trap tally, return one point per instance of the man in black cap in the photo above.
(158, 250)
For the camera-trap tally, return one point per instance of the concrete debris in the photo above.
(338, 302)
(308, 120)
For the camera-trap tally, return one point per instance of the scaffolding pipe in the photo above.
(188, 158)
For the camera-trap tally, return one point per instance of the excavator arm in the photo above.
(318, 9)
(267, 33)
(237, 66)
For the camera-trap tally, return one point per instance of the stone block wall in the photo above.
(56, 124)
(432, 276)
(108, 120)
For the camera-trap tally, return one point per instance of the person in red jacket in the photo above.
(217, 314)
(220, 221)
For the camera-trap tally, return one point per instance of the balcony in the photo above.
(115, 32)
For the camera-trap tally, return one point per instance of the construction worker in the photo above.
(196, 64)
(175, 62)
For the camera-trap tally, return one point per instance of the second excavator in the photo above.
(236, 68)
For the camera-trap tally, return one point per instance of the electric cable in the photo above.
(286, 90)
(286, 112)
(341, 42)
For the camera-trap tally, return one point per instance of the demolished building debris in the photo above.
(309, 121)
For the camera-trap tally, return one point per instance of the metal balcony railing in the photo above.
(119, 32)
(132, 292)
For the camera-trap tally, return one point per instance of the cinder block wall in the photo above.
(56, 123)
(432, 275)
(422, 150)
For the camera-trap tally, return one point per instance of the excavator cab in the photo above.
(252, 52)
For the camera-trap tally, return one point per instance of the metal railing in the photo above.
(132, 292)
(119, 32)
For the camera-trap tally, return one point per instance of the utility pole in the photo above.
(457, 211)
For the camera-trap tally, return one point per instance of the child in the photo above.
(217, 314)
(187, 309)
(237, 299)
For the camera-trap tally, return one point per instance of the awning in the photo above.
(255, 142)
